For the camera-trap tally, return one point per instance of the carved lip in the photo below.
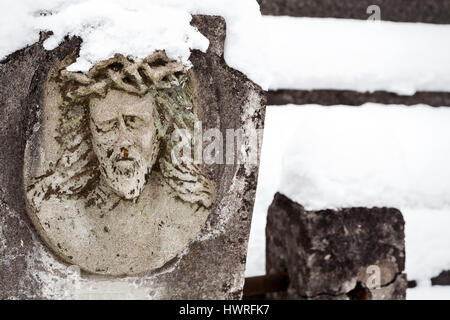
(125, 159)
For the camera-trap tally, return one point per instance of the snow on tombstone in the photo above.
(117, 176)
(428, 11)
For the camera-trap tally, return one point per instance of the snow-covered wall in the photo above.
(374, 155)
(134, 28)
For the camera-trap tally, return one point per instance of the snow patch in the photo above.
(373, 155)
(428, 293)
(274, 52)
(134, 28)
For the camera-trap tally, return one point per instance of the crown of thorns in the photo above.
(154, 72)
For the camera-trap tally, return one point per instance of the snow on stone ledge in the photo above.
(374, 155)
(134, 28)
(311, 53)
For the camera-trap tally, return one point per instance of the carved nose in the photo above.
(124, 138)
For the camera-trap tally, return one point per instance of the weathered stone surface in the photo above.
(103, 189)
(353, 98)
(429, 11)
(333, 254)
(211, 266)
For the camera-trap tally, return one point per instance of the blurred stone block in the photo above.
(355, 253)
(428, 11)
(443, 279)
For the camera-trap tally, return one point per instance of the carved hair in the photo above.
(77, 171)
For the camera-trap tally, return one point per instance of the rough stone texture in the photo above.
(352, 98)
(327, 253)
(213, 265)
(443, 279)
(429, 11)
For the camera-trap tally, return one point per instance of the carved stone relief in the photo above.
(103, 190)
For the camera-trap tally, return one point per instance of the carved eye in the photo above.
(106, 126)
(133, 122)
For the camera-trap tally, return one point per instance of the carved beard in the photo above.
(126, 176)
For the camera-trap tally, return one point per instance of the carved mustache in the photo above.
(124, 155)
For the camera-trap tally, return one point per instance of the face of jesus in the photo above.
(124, 140)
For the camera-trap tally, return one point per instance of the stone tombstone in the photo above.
(347, 254)
(96, 199)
